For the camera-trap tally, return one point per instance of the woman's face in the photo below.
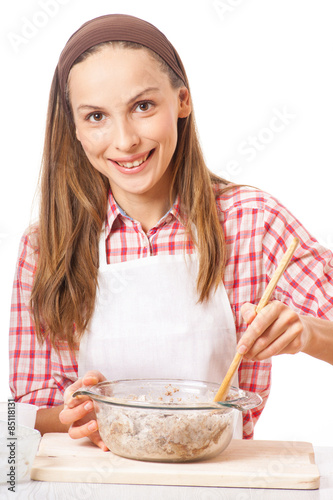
(126, 114)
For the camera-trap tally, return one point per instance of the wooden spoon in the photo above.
(224, 387)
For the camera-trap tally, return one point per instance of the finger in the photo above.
(263, 320)
(92, 377)
(89, 429)
(281, 338)
(96, 439)
(276, 330)
(68, 400)
(70, 415)
(282, 345)
(289, 343)
(89, 379)
(77, 431)
(248, 312)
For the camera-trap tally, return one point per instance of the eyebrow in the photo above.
(137, 96)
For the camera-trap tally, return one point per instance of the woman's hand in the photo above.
(79, 412)
(276, 329)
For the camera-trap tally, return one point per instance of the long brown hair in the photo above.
(73, 210)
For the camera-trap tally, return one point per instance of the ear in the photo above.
(77, 134)
(185, 107)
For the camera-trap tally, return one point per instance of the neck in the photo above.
(147, 212)
(147, 208)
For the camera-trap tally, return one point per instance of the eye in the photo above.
(144, 106)
(95, 117)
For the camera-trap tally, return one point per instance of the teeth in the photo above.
(133, 164)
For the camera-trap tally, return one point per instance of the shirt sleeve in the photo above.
(307, 284)
(258, 231)
(38, 374)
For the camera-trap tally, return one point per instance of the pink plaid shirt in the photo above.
(257, 228)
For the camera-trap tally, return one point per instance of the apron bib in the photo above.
(147, 323)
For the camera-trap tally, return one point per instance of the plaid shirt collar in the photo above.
(116, 213)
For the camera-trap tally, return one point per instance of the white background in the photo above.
(247, 61)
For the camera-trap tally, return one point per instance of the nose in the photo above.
(124, 135)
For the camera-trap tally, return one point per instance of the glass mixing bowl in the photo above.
(166, 420)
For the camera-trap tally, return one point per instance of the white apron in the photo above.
(147, 323)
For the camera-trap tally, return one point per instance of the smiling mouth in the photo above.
(136, 163)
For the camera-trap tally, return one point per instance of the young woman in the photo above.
(143, 263)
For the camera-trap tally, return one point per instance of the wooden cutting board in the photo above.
(247, 464)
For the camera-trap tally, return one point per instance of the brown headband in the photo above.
(115, 27)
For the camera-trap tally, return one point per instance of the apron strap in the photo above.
(103, 261)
